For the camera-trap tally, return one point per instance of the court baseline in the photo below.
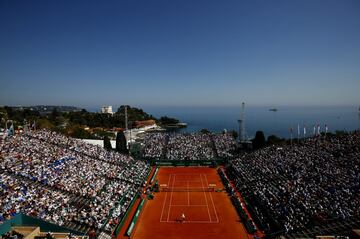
(209, 202)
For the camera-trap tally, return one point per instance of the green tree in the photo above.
(205, 131)
(273, 139)
(3, 117)
(167, 120)
(44, 124)
(80, 133)
(133, 113)
(234, 134)
(107, 143)
(121, 143)
(259, 140)
(54, 114)
(340, 132)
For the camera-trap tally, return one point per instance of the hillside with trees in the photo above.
(75, 123)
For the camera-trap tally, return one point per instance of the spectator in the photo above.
(66, 181)
(196, 146)
(303, 185)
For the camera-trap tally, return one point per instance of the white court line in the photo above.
(162, 211)
(171, 198)
(189, 222)
(178, 205)
(186, 188)
(187, 174)
(191, 181)
(217, 219)
(205, 198)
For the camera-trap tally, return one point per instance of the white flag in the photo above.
(298, 129)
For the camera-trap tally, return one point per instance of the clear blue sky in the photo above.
(179, 52)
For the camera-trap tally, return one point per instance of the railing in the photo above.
(247, 221)
(135, 218)
(201, 162)
(120, 225)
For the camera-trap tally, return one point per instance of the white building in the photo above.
(106, 110)
(99, 142)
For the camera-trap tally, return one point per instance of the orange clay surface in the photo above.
(128, 219)
(207, 214)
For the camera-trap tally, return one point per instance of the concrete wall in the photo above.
(99, 142)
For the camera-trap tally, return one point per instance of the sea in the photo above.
(279, 123)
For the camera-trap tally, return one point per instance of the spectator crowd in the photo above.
(308, 184)
(194, 146)
(66, 181)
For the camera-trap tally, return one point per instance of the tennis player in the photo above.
(182, 218)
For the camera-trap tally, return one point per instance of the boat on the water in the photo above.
(273, 109)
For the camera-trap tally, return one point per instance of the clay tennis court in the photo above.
(191, 191)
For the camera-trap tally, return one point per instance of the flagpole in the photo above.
(318, 130)
(298, 133)
(326, 130)
(314, 130)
